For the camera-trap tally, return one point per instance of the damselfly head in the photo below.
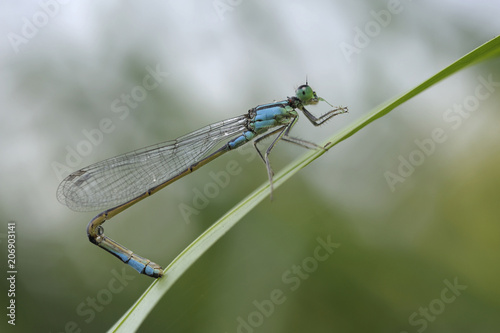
(306, 95)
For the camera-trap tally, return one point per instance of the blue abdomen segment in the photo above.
(241, 140)
(140, 264)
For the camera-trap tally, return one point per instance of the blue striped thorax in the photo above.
(264, 117)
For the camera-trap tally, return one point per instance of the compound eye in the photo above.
(305, 93)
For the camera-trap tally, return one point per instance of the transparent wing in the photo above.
(117, 180)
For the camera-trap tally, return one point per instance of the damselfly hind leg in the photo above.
(260, 138)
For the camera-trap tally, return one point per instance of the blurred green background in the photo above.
(420, 255)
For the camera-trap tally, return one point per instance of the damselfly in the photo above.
(122, 181)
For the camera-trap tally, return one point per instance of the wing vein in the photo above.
(122, 178)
